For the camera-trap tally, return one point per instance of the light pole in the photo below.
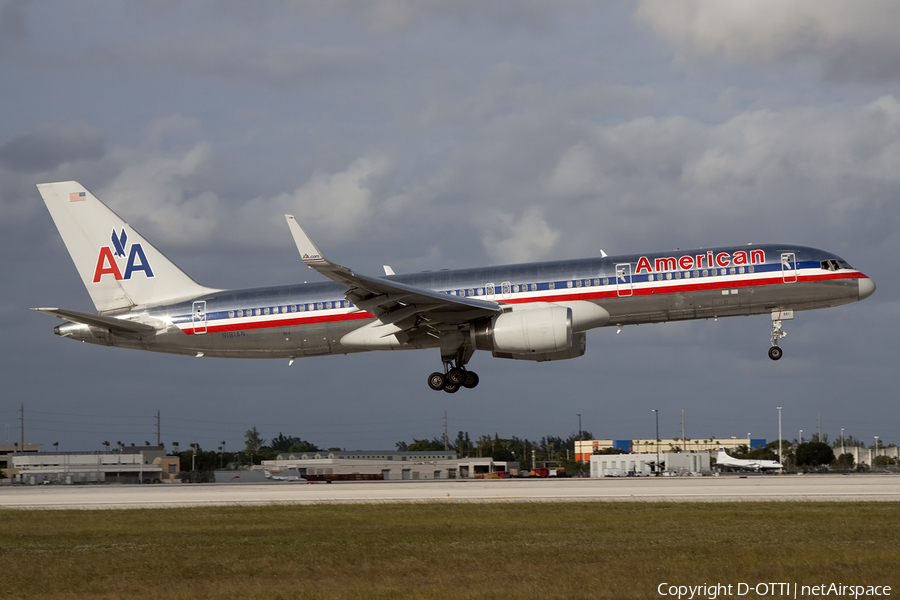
(657, 441)
(801, 436)
(876, 452)
(842, 441)
(780, 457)
(578, 437)
(576, 446)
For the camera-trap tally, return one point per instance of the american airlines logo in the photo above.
(108, 265)
(710, 260)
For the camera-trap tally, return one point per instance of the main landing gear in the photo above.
(778, 332)
(452, 379)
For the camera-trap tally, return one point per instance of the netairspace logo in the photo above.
(774, 590)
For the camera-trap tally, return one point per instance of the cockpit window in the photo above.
(834, 264)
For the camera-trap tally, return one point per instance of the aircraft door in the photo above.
(623, 279)
(789, 267)
(198, 317)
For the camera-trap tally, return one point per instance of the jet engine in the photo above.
(533, 333)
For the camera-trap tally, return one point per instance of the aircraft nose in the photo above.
(866, 287)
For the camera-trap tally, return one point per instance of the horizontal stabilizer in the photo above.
(101, 321)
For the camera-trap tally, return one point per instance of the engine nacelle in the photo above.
(579, 343)
(531, 331)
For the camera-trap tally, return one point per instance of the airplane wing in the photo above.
(113, 324)
(392, 302)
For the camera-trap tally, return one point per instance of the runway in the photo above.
(664, 489)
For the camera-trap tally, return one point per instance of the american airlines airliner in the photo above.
(534, 311)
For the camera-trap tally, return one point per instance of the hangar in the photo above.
(128, 465)
(640, 465)
(391, 465)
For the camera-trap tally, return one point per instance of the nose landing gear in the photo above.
(778, 332)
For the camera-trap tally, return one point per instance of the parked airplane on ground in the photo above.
(533, 311)
(723, 460)
(280, 477)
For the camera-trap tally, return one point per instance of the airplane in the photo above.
(534, 311)
(273, 477)
(723, 460)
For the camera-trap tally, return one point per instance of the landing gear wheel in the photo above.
(456, 376)
(775, 352)
(470, 380)
(437, 381)
(451, 388)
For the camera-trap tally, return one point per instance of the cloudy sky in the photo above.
(441, 134)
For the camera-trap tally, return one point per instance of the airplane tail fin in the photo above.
(119, 268)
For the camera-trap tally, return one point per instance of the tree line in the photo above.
(549, 449)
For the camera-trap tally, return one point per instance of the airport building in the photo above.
(586, 448)
(866, 456)
(390, 465)
(9, 450)
(141, 464)
(644, 465)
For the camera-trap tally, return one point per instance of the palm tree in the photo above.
(106, 443)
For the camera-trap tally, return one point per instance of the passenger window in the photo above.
(230, 314)
(319, 306)
(569, 284)
(649, 277)
(732, 270)
(751, 269)
(606, 281)
(578, 283)
(551, 285)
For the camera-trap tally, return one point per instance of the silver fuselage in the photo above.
(298, 320)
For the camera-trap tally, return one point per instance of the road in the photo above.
(677, 489)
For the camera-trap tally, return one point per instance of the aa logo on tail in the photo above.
(106, 259)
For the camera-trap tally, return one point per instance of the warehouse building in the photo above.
(141, 464)
(643, 465)
(391, 465)
(586, 448)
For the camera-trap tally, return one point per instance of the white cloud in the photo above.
(151, 191)
(511, 240)
(853, 40)
(338, 206)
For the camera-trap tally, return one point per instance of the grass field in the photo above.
(555, 550)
